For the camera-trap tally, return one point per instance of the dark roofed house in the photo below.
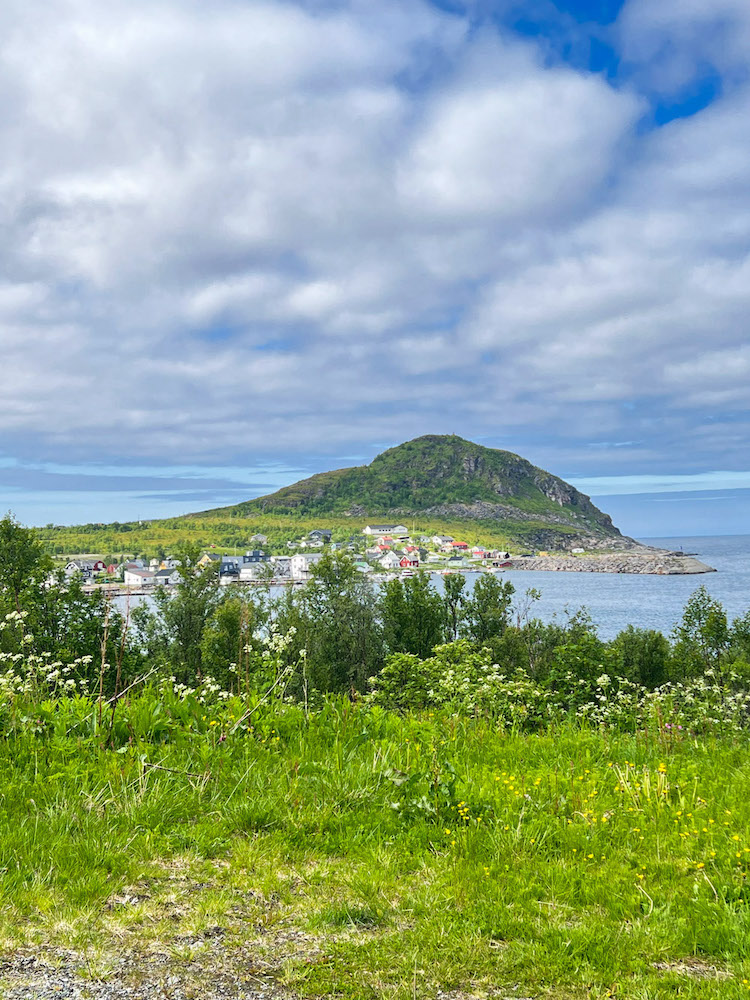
(230, 568)
(256, 556)
(320, 534)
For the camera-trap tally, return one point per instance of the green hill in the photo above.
(446, 477)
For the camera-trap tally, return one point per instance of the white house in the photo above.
(75, 566)
(396, 530)
(133, 577)
(250, 571)
(167, 577)
(302, 563)
(390, 561)
(282, 567)
(85, 567)
(259, 538)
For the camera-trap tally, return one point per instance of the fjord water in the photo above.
(615, 600)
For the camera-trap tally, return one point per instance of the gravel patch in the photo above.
(65, 978)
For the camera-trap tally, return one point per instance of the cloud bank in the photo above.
(258, 231)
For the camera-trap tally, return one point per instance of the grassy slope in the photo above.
(228, 533)
(280, 853)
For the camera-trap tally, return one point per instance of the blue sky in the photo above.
(248, 241)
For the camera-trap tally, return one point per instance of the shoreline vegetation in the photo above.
(338, 791)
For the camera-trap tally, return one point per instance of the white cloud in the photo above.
(515, 143)
(670, 42)
(258, 227)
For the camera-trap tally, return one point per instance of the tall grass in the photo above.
(419, 851)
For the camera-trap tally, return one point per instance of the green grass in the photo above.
(362, 854)
(230, 533)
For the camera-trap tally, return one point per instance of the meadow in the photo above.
(353, 851)
(338, 792)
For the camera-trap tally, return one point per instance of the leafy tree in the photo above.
(405, 682)
(454, 598)
(578, 664)
(174, 629)
(643, 656)
(413, 615)
(335, 618)
(21, 557)
(229, 636)
(702, 636)
(488, 611)
(69, 623)
(739, 637)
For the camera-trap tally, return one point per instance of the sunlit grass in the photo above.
(364, 854)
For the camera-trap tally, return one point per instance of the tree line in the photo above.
(340, 626)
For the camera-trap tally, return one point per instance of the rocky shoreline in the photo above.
(658, 562)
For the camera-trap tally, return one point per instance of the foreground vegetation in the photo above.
(363, 794)
(356, 852)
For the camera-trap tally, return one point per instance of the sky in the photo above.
(245, 241)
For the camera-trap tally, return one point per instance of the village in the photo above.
(380, 550)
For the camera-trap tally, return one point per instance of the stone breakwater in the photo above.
(649, 561)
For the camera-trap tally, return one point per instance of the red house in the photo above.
(409, 562)
(459, 546)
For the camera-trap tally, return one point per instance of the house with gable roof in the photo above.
(380, 530)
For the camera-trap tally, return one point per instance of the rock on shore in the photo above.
(644, 560)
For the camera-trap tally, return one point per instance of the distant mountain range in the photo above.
(445, 476)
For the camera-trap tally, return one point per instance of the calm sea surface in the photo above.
(616, 600)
